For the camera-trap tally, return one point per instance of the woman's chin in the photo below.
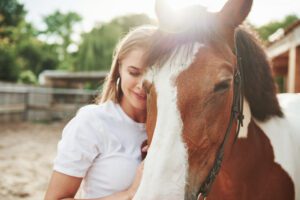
(139, 104)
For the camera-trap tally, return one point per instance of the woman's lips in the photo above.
(140, 96)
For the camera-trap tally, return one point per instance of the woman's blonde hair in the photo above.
(139, 37)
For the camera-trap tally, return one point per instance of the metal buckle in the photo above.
(200, 195)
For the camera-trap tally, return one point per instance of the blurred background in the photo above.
(55, 54)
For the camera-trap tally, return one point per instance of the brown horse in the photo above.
(203, 65)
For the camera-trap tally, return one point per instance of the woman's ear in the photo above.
(119, 65)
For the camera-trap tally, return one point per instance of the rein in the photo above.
(236, 114)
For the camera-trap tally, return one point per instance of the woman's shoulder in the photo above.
(97, 112)
(89, 122)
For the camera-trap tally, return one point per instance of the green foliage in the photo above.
(95, 53)
(20, 50)
(60, 26)
(11, 14)
(92, 86)
(266, 30)
(37, 56)
(29, 54)
(280, 83)
(9, 66)
(96, 49)
(27, 77)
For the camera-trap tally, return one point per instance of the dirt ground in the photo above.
(27, 151)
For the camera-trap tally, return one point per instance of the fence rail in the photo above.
(18, 103)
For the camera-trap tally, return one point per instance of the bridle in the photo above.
(236, 114)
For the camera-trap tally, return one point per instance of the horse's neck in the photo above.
(250, 151)
(251, 169)
(241, 163)
(284, 136)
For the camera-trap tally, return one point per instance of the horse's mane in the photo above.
(260, 90)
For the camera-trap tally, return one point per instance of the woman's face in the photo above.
(131, 70)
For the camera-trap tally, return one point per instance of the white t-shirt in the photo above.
(102, 144)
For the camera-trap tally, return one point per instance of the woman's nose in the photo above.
(140, 83)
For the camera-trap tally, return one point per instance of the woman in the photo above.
(100, 146)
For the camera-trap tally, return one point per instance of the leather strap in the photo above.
(236, 114)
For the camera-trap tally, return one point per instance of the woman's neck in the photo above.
(137, 115)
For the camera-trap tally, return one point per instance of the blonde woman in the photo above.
(100, 146)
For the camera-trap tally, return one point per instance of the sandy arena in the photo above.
(27, 151)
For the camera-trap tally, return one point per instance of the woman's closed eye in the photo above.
(133, 71)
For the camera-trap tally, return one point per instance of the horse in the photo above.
(216, 127)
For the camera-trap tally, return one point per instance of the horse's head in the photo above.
(190, 90)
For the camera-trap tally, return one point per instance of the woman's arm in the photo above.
(64, 187)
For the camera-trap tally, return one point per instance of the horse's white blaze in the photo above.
(284, 135)
(247, 118)
(167, 150)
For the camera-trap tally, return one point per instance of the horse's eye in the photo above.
(222, 86)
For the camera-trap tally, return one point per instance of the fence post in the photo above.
(26, 102)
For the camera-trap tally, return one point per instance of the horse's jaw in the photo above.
(166, 165)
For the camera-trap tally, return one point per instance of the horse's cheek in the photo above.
(151, 114)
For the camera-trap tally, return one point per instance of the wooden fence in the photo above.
(19, 103)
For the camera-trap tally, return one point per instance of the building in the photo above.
(78, 80)
(284, 53)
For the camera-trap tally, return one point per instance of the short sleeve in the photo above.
(79, 145)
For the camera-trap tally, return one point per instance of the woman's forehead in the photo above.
(134, 58)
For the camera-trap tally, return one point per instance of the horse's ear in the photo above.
(164, 13)
(233, 13)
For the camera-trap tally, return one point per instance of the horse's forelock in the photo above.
(200, 27)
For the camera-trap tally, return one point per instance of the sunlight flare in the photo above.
(211, 5)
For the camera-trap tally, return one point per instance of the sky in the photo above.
(98, 11)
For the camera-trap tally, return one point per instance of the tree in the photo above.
(96, 49)
(268, 29)
(11, 14)
(60, 26)
(20, 50)
(37, 56)
(9, 66)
